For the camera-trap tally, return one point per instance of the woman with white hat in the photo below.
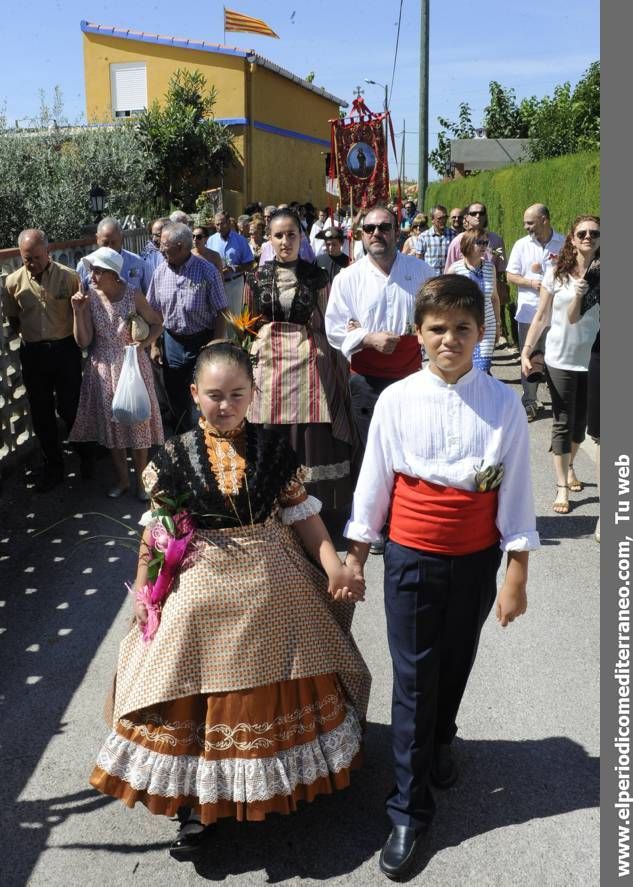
(107, 317)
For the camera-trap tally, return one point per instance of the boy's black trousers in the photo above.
(436, 606)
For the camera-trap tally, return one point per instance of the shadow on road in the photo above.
(502, 783)
(552, 530)
(59, 597)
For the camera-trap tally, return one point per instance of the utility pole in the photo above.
(403, 169)
(423, 127)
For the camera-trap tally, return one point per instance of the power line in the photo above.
(395, 55)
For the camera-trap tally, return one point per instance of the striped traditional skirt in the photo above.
(302, 390)
(252, 694)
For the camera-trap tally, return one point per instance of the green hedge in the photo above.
(568, 185)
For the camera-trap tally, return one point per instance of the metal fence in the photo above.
(16, 432)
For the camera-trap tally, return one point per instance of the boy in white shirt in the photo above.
(447, 465)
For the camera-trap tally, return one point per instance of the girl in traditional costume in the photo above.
(242, 691)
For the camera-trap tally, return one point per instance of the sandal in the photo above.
(575, 485)
(561, 507)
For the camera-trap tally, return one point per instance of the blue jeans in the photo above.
(179, 359)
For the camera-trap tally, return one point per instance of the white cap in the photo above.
(104, 257)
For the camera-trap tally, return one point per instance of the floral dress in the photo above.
(252, 694)
(101, 375)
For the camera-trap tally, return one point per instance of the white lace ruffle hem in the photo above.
(236, 779)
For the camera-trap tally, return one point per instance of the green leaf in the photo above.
(170, 526)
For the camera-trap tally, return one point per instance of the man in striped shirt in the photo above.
(188, 292)
(432, 245)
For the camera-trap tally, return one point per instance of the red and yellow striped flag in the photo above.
(235, 21)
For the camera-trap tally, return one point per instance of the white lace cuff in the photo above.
(302, 511)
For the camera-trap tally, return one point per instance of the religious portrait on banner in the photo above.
(360, 154)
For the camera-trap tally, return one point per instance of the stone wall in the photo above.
(16, 432)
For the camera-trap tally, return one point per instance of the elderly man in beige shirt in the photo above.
(36, 303)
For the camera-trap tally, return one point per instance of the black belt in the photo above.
(235, 277)
(192, 337)
(50, 342)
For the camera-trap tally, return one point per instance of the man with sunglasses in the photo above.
(529, 259)
(369, 316)
(476, 219)
(476, 216)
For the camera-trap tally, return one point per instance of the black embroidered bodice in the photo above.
(263, 283)
(183, 465)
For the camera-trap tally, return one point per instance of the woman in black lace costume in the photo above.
(251, 694)
(301, 382)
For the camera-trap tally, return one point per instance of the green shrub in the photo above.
(568, 185)
(47, 177)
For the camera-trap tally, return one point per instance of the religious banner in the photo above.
(359, 160)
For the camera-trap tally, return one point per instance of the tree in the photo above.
(502, 117)
(47, 176)
(185, 144)
(565, 123)
(568, 121)
(440, 157)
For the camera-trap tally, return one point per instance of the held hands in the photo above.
(511, 602)
(346, 584)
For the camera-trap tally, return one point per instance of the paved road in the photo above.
(525, 811)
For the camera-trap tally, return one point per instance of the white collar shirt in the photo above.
(379, 302)
(525, 253)
(425, 428)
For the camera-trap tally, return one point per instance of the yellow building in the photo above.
(280, 121)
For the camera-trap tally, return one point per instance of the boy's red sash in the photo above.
(444, 520)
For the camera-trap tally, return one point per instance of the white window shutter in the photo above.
(128, 83)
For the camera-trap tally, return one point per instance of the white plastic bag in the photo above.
(131, 403)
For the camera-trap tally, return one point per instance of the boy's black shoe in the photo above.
(398, 854)
(444, 772)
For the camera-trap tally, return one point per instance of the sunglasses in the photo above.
(456, 218)
(198, 236)
(477, 212)
(482, 242)
(594, 235)
(381, 226)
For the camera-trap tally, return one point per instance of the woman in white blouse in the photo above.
(567, 350)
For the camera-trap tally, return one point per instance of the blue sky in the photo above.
(531, 46)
